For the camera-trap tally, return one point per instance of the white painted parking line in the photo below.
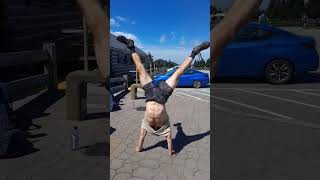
(306, 93)
(253, 107)
(188, 95)
(245, 105)
(291, 122)
(279, 98)
(205, 90)
(266, 89)
(190, 98)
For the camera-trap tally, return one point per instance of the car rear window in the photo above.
(189, 71)
(252, 34)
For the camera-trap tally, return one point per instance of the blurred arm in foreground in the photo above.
(237, 16)
(98, 22)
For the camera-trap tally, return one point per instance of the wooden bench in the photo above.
(76, 91)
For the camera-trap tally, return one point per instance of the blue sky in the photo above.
(167, 28)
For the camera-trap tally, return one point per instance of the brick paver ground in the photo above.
(190, 124)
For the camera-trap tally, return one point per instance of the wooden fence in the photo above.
(18, 88)
(119, 84)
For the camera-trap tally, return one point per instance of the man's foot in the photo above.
(196, 50)
(138, 149)
(128, 42)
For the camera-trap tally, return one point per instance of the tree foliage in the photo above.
(293, 9)
(160, 63)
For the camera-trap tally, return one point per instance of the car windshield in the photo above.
(169, 73)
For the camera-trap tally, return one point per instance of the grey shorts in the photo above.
(159, 94)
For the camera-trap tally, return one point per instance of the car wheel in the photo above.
(279, 72)
(196, 84)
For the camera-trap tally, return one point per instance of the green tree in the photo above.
(199, 64)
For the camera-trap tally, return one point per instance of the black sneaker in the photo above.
(201, 47)
(128, 42)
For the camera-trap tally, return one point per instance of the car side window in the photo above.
(188, 71)
(252, 34)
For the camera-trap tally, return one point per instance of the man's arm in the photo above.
(237, 16)
(98, 22)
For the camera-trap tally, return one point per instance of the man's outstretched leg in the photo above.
(143, 74)
(174, 79)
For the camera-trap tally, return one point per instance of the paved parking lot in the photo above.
(288, 104)
(264, 131)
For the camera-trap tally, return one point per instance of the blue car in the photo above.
(264, 51)
(190, 78)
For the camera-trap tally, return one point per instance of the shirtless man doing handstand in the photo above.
(156, 120)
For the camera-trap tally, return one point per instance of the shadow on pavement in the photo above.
(180, 141)
(141, 108)
(35, 109)
(20, 144)
(99, 115)
(112, 130)
(98, 149)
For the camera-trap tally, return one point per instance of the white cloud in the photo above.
(136, 40)
(162, 38)
(173, 35)
(195, 42)
(114, 23)
(122, 19)
(182, 41)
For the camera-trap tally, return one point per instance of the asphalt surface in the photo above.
(264, 131)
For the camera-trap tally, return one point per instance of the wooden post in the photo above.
(85, 45)
(137, 76)
(51, 66)
(133, 92)
(126, 82)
